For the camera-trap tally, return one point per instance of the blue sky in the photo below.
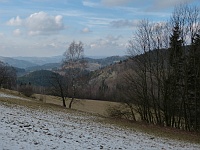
(47, 27)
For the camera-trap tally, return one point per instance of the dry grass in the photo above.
(28, 102)
(100, 108)
(90, 106)
(157, 131)
(6, 91)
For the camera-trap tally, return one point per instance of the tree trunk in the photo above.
(63, 99)
(70, 104)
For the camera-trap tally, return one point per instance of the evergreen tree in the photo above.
(176, 52)
(193, 92)
(175, 82)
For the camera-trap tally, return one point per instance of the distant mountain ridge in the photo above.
(48, 63)
(17, 63)
(41, 60)
(48, 66)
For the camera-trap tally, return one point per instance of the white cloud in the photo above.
(39, 24)
(42, 23)
(108, 46)
(109, 41)
(90, 4)
(124, 23)
(158, 4)
(74, 13)
(17, 32)
(98, 21)
(85, 30)
(1, 34)
(15, 21)
(114, 2)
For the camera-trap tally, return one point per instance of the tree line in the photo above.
(163, 86)
(8, 76)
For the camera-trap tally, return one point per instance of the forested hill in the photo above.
(37, 78)
(106, 61)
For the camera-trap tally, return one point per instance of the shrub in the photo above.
(119, 112)
(26, 90)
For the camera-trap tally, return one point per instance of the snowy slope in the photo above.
(12, 96)
(25, 128)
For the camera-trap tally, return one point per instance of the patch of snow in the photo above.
(11, 96)
(24, 128)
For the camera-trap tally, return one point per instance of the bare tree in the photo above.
(59, 86)
(26, 89)
(73, 65)
(162, 84)
(146, 81)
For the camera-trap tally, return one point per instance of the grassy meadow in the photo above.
(90, 106)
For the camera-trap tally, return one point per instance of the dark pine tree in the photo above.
(175, 81)
(193, 91)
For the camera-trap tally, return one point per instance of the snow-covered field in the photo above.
(11, 96)
(25, 128)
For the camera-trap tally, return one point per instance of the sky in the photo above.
(45, 28)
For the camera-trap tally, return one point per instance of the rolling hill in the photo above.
(17, 63)
(51, 63)
(37, 78)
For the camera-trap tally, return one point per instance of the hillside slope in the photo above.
(49, 128)
(37, 78)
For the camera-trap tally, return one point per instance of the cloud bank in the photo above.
(114, 2)
(159, 4)
(39, 23)
(17, 32)
(124, 23)
(15, 21)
